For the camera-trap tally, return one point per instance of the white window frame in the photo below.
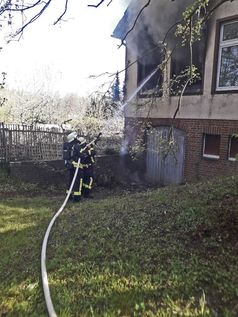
(230, 158)
(223, 44)
(203, 149)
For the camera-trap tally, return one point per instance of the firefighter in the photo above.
(68, 149)
(88, 162)
(88, 171)
(71, 155)
(84, 179)
(78, 153)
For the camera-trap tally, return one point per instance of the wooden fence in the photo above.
(24, 143)
(21, 143)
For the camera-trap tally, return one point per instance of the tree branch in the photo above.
(8, 7)
(109, 3)
(97, 5)
(34, 18)
(64, 12)
(135, 21)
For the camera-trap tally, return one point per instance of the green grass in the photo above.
(167, 252)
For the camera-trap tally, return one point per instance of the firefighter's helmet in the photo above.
(72, 136)
(81, 139)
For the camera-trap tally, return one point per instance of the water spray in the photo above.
(132, 96)
(140, 87)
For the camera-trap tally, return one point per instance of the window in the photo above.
(227, 70)
(150, 55)
(155, 81)
(211, 145)
(180, 61)
(233, 148)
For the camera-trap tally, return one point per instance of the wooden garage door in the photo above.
(165, 164)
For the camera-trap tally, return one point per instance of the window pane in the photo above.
(233, 147)
(144, 71)
(212, 144)
(228, 76)
(181, 60)
(148, 62)
(230, 31)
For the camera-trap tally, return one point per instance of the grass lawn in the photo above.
(166, 252)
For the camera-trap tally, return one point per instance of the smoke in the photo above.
(167, 14)
(157, 18)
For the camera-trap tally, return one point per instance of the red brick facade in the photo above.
(197, 167)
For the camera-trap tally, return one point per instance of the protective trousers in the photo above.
(78, 184)
(88, 177)
(77, 189)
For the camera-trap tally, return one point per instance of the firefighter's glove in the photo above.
(75, 165)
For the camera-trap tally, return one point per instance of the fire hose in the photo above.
(44, 275)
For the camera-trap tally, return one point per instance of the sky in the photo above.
(61, 58)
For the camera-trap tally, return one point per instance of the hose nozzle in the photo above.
(98, 137)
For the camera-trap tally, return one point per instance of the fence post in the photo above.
(4, 143)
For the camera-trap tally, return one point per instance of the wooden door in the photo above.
(164, 159)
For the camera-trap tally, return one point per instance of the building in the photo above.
(204, 119)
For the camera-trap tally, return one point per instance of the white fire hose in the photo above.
(44, 276)
(45, 283)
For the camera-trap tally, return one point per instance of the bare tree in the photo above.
(29, 12)
(32, 10)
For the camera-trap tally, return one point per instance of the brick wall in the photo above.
(196, 166)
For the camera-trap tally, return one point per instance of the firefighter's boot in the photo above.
(77, 199)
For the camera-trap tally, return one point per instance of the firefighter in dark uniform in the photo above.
(68, 149)
(88, 162)
(78, 153)
(77, 148)
(88, 170)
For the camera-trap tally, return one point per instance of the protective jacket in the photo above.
(78, 185)
(68, 149)
(87, 155)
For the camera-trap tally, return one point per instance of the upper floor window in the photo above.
(154, 84)
(181, 60)
(227, 70)
(150, 56)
